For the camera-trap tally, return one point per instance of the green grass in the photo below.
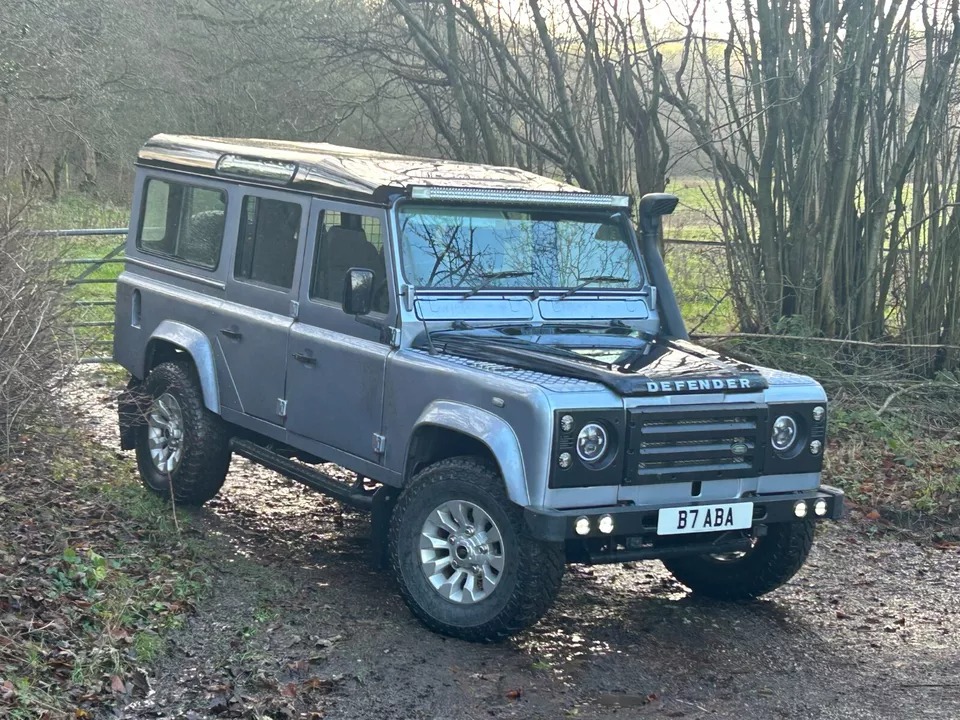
(77, 211)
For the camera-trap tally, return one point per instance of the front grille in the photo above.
(686, 444)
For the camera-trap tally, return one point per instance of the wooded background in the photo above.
(817, 139)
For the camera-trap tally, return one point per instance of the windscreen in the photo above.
(469, 247)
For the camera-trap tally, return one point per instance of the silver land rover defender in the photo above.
(497, 356)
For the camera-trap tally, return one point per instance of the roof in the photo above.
(333, 169)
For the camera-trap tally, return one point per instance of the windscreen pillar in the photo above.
(652, 207)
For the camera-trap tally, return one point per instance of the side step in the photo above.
(308, 476)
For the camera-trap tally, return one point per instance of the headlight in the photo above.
(784, 433)
(591, 442)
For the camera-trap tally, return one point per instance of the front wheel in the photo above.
(465, 563)
(773, 560)
(182, 447)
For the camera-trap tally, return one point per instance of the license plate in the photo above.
(705, 518)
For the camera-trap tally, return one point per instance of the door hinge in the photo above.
(379, 443)
(281, 407)
(394, 337)
(294, 309)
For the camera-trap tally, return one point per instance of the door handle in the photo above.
(232, 334)
(305, 359)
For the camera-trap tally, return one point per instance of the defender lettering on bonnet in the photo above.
(701, 385)
(512, 335)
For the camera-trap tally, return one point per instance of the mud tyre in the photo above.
(181, 447)
(463, 558)
(773, 560)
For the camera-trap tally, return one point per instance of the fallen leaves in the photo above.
(91, 576)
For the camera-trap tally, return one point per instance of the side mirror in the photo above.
(358, 291)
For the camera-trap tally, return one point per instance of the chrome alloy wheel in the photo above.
(165, 433)
(461, 552)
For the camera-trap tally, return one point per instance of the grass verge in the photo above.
(93, 573)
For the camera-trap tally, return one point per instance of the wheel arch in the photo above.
(173, 339)
(447, 429)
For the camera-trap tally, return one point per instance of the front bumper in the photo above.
(632, 521)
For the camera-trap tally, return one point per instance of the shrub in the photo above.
(33, 360)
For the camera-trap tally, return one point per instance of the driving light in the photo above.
(245, 167)
(565, 459)
(820, 507)
(582, 526)
(818, 413)
(606, 524)
(591, 442)
(815, 447)
(800, 509)
(566, 423)
(784, 433)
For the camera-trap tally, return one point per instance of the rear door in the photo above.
(261, 287)
(336, 365)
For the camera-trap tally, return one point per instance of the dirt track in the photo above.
(298, 625)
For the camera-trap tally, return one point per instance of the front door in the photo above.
(336, 364)
(254, 323)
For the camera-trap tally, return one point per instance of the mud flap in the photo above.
(383, 501)
(132, 406)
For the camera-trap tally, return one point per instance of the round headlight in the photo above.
(591, 442)
(784, 433)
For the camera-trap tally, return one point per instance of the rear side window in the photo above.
(184, 222)
(269, 237)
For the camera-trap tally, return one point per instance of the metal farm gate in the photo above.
(91, 316)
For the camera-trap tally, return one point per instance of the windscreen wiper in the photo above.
(592, 279)
(489, 278)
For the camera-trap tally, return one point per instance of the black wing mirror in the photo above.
(358, 291)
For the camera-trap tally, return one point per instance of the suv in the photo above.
(496, 356)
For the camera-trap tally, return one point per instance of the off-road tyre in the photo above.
(206, 452)
(774, 559)
(532, 569)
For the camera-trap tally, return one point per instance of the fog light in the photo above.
(820, 507)
(606, 524)
(566, 423)
(815, 447)
(582, 525)
(800, 509)
(818, 413)
(565, 459)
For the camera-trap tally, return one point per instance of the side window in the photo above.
(348, 240)
(269, 236)
(184, 222)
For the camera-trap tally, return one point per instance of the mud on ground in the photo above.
(297, 624)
